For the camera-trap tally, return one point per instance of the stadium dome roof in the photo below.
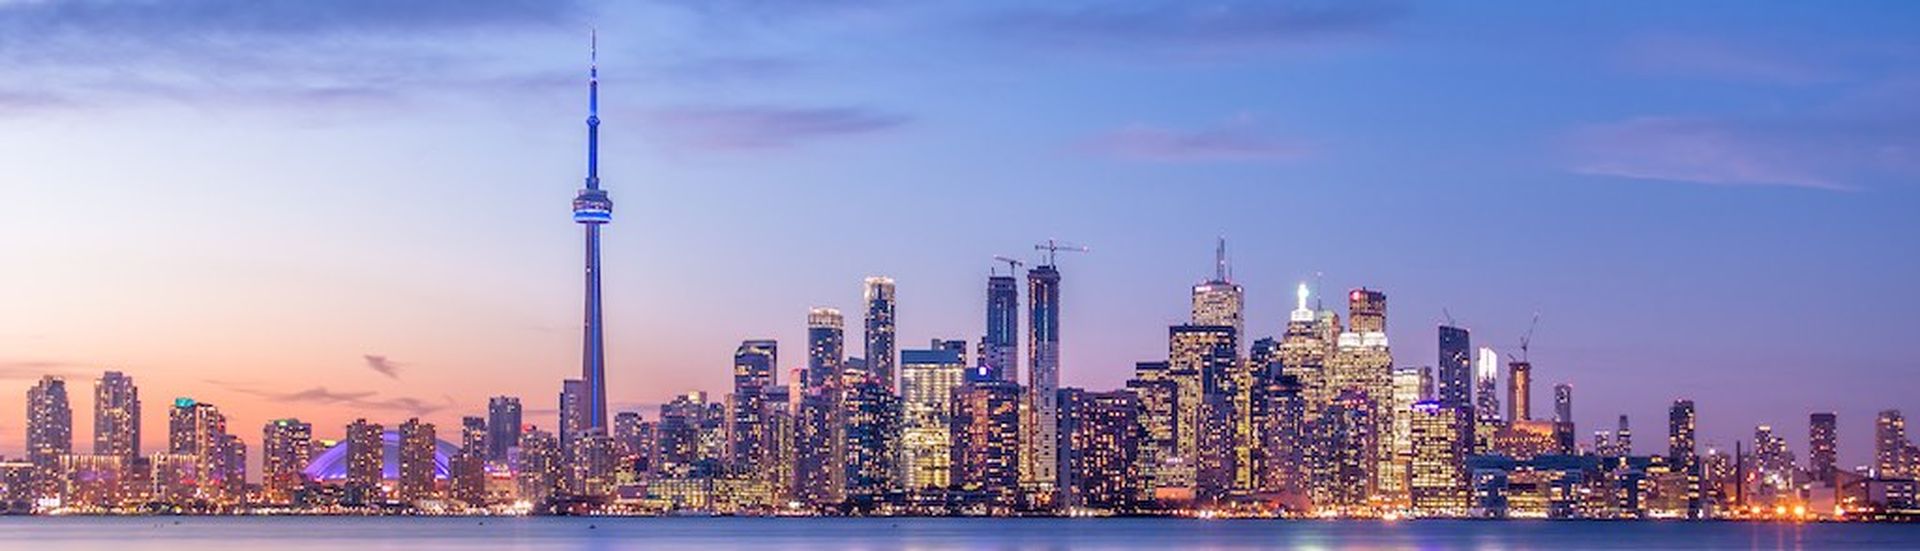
(331, 465)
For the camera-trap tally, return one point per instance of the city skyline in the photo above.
(317, 313)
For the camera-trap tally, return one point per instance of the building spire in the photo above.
(593, 109)
(1222, 272)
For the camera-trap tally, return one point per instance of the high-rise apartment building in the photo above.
(49, 423)
(503, 427)
(986, 442)
(416, 448)
(826, 348)
(751, 438)
(1822, 446)
(1455, 381)
(1438, 477)
(116, 416)
(1000, 346)
(286, 446)
(928, 380)
(1040, 423)
(366, 456)
(1200, 361)
(880, 348)
(1682, 452)
(1892, 451)
(1100, 432)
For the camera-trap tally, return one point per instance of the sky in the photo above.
(360, 208)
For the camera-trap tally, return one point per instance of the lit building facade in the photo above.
(1100, 432)
(928, 380)
(986, 442)
(1040, 418)
(880, 347)
(286, 447)
(116, 416)
(1438, 482)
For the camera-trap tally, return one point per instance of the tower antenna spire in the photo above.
(1222, 272)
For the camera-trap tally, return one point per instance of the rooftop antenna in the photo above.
(1222, 272)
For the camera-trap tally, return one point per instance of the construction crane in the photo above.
(1449, 315)
(1054, 247)
(1013, 266)
(1526, 340)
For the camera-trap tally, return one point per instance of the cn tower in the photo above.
(592, 208)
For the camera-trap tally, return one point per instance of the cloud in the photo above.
(90, 52)
(11, 370)
(321, 395)
(1236, 140)
(1696, 57)
(764, 127)
(383, 365)
(1821, 150)
(1196, 28)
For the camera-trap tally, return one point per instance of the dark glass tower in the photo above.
(999, 349)
(592, 208)
(1455, 386)
(1043, 373)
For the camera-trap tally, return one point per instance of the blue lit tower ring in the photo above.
(592, 206)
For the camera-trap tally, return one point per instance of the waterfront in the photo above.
(502, 533)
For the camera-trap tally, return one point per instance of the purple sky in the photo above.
(359, 207)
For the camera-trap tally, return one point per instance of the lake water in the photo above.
(378, 533)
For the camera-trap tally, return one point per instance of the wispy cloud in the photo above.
(1195, 28)
(1870, 134)
(83, 52)
(1239, 139)
(767, 127)
(12, 370)
(382, 365)
(1692, 56)
(321, 395)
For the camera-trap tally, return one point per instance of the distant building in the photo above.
(1438, 481)
(999, 348)
(986, 442)
(928, 380)
(826, 347)
(366, 458)
(751, 432)
(1454, 385)
(503, 427)
(116, 416)
(49, 430)
(1201, 359)
(1822, 446)
(1100, 432)
(1892, 451)
(1519, 391)
(1681, 452)
(1041, 423)
(286, 447)
(417, 461)
(871, 412)
(880, 348)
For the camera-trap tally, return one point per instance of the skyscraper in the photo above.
(751, 445)
(986, 441)
(503, 426)
(1303, 352)
(1892, 457)
(1162, 466)
(592, 209)
(366, 457)
(1486, 378)
(116, 416)
(999, 348)
(1200, 359)
(826, 347)
(286, 446)
(1366, 311)
(871, 431)
(1220, 301)
(1437, 472)
(1519, 391)
(1623, 439)
(416, 460)
(879, 293)
(1822, 446)
(1563, 430)
(1682, 452)
(198, 430)
(574, 402)
(49, 423)
(1455, 381)
(1041, 422)
(928, 379)
(1100, 432)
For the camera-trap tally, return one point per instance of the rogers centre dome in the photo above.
(331, 465)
